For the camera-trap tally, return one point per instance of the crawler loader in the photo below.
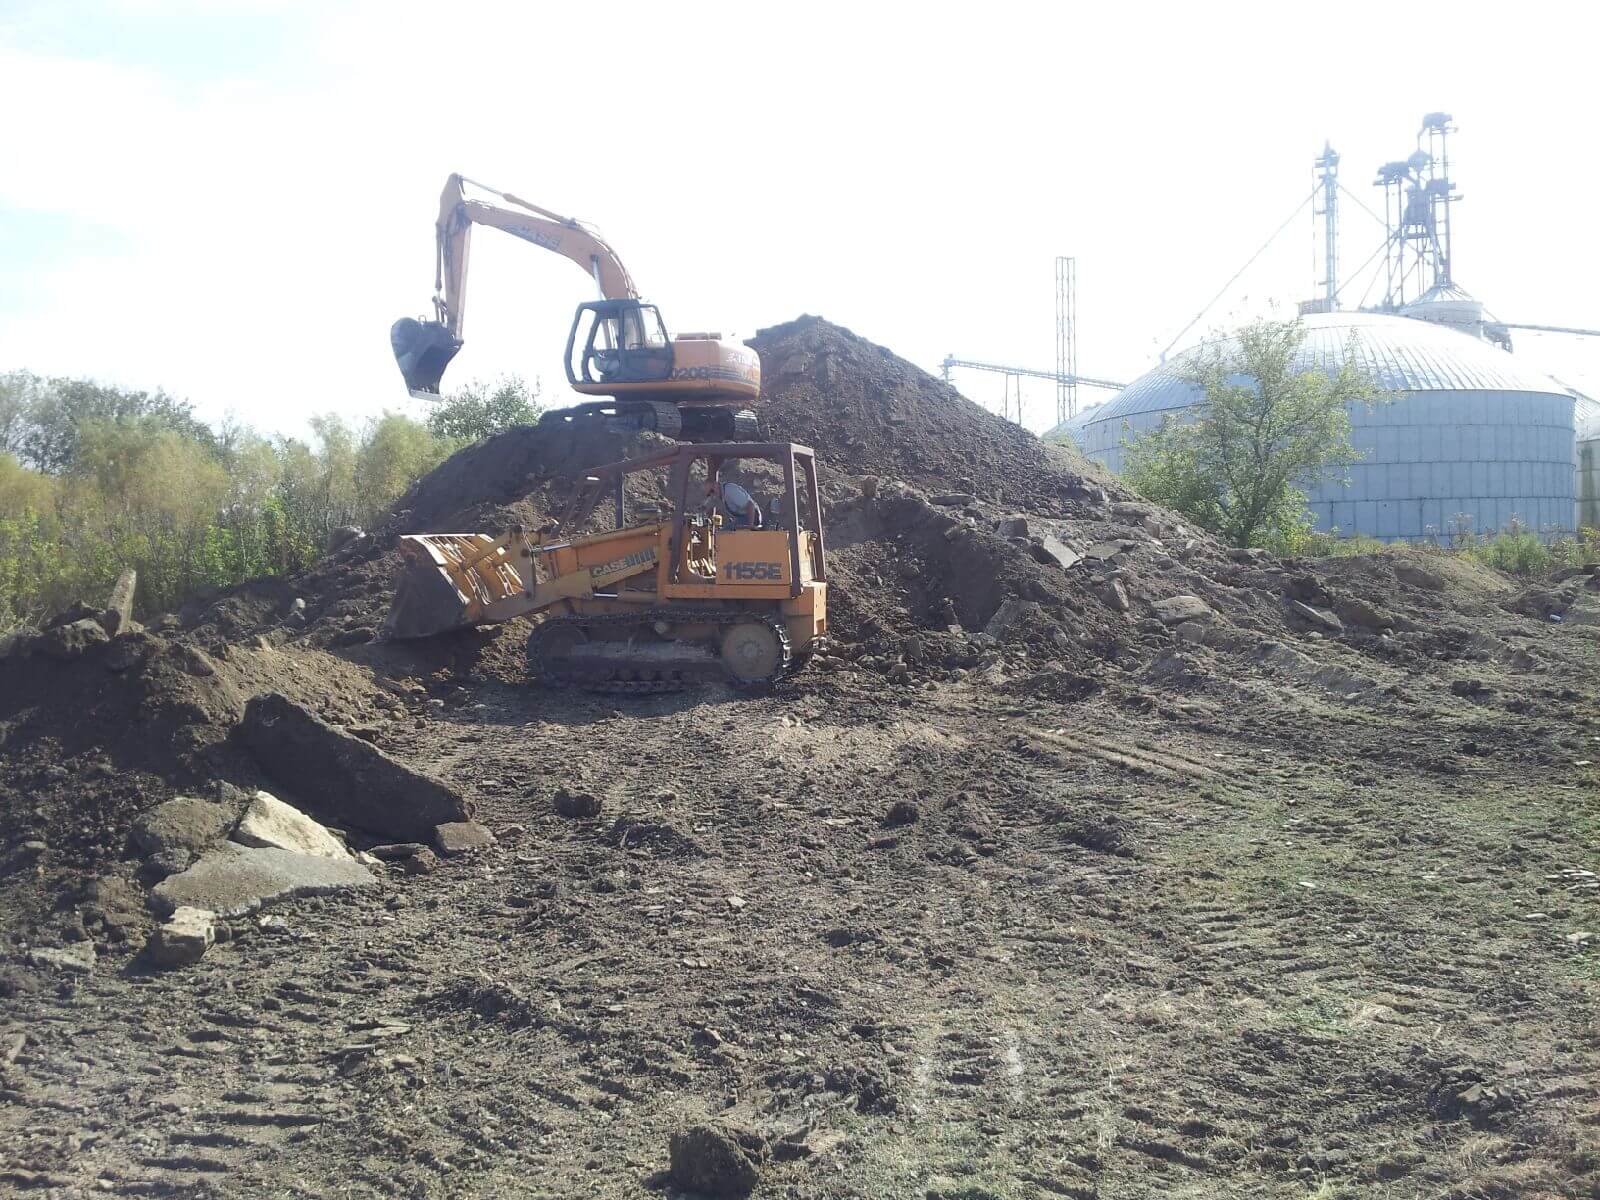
(648, 606)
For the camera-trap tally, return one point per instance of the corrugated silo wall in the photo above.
(1589, 482)
(1429, 456)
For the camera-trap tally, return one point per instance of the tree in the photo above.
(394, 454)
(480, 409)
(1238, 461)
(44, 418)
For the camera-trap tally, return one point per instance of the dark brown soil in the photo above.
(1097, 905)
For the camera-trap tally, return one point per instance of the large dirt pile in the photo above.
(867, 411)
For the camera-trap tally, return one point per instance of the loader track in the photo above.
(642, 676)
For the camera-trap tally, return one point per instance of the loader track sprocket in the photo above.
(555, 654)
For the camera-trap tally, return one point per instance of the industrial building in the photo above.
(1471, 431)
(1473, 437)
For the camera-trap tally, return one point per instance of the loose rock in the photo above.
(185, 937)
(268, 821)
(186, 823)
(233, 880)
(461, 837)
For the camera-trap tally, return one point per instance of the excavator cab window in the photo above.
(618, 341)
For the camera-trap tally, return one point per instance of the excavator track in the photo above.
(556, 653)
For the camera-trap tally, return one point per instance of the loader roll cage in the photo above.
(799, 466)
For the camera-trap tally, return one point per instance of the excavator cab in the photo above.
(617, 342)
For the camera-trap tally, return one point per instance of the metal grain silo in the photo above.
(1588, 478)
(1472, 430)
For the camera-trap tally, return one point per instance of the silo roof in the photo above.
(1403, 355)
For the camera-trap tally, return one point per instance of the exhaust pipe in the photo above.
(422, 350)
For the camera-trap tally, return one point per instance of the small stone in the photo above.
(707, 1037)
(952, 499)
(461, 837)
(184, 938)
(736, 902)
(1192, 632)
(1014, 526)
(1115, 595)
(273, 924)
(577, 805)
(76, 959)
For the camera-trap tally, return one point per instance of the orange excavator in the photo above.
(695, 386)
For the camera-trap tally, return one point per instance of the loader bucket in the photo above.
(447, 582)
(423, 349)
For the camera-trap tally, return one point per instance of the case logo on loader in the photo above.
(627, 562)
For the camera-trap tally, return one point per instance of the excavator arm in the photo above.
(522, 219)
(424, 348)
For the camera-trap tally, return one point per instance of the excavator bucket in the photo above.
(423, 349)
(447, 582)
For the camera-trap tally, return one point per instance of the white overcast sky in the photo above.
(233, 201)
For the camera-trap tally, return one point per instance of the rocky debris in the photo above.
(952, 499)
(342, 775)
(72, 639)
(420, 863)
(461, 837)
(76, 959)
(184, 824)
(183, 938)
(268, 821)
(1316, 617)
(1049, 549)
(1192, 632)
(395, 851)
(1175, 610)
(712, 1161)
(118, 614)
(577, 805)
(1014, 526)
(233, 880)
(1012, 611)
(1114, 596)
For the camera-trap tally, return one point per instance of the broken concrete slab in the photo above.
(1049, 549)
(1103, 551)
(184, 938)
(340, 775)
(268, 821)
(1318, 618)
(461, 837)
(118, 614)
(1007, 617)
(1175, 610)
(1115, 595)
(232, 880)
(183, 823)
(76, 959)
